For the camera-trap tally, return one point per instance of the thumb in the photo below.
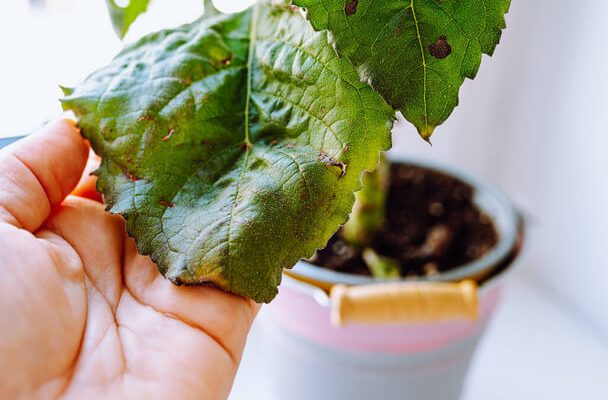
(38, 172)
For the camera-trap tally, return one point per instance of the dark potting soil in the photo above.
(431, 225)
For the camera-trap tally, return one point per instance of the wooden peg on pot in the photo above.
(404, 302)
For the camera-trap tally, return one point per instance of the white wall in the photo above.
(534, 122)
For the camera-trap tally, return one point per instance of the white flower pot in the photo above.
(310, 358)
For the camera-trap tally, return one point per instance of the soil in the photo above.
(432, 225)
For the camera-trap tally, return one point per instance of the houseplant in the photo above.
(397, 348)
(176, 118)
(233, 146)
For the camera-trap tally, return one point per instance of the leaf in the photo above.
(416, 53)
(123, 17)
(232, 146)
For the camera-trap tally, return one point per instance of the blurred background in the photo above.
(533, 123)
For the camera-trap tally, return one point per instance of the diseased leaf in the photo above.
(233, 145)
(416, 53)
(123, 17)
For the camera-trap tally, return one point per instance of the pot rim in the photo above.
(487, 197)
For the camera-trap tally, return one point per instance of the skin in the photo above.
(82, 315)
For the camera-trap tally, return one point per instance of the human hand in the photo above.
(82, 315)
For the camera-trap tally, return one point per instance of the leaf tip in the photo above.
(67, 91)
(209, 8)
(426, 132)
(123, 17)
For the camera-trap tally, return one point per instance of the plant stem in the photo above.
(367, 216)
(380, 266)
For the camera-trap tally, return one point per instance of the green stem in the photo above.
(367, 217)
(380, 266)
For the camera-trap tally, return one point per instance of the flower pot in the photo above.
(312, 358)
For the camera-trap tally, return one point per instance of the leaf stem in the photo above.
(367, 216)
(424, 66)
(381, 267)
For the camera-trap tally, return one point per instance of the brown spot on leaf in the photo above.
(166, 204)
(351, 7)
(287, 7)
(441, 48)
(326, 159)
(146, 117)
(227, 61)
(131, 177)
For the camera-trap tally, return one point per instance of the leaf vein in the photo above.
(306, 111)
(424, 66)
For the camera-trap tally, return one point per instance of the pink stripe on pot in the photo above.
(300, 314)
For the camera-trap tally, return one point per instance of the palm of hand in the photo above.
(83, 314)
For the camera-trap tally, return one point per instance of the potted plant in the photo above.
(344, 326)
(233, 147)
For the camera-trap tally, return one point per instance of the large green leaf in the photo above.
(232, 146)
(416, 53)
(123, 17)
